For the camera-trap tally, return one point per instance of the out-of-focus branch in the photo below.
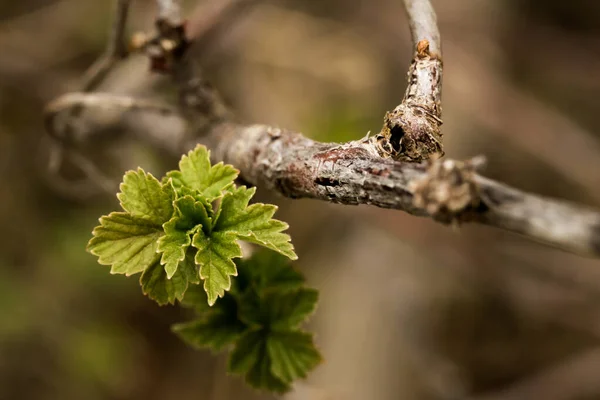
(411, 132)
(576, 378)
(169, 11)
(115, 50)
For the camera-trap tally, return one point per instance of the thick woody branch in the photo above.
(353, 173)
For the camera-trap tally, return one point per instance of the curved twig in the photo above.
(411, 132)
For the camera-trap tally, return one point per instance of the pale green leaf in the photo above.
(126, 243)
(292, 354)
(253, 223)
(142, 195)
(192, 212)
(196, 173)
(173, 246)
(159, 288)
(190, 215)
(214, 257)
(270, 236)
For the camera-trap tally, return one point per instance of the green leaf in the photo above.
(157, 286)
(261, 375)
(143, 196)
(290, 309)
(215, 330)
(173, 246)
(196, 298)
(190, 215)
(192, 212)
(267, 269)
(214, 256)
(125, 242)
(292, 354)
(246, 352)
(196, 173)
(276, 309)
(253, 223)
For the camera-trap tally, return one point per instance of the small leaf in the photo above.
(246, 352)
(261, 376)
(288, 310)
(267, 269)
(253, 223)
(214, 257)
(190, 215)
(173, 246)
(125, 242)
(142, 195)
(196, 173)
(161, 289)
(196, 298)
(292, 354)
(215, 331)
(192, 212)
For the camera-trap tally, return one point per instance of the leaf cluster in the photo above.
(258, 320)
(185, 229)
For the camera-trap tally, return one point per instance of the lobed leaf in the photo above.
(215, 331)
(292, 354)
(156, 285)
(196, 173)
(253, 223)
(143, 196)
(214, 256)
(173, 246)
(125, 242)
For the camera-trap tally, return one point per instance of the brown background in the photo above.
(409, 309)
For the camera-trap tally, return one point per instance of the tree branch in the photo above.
(372, 170)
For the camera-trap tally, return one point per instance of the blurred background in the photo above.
(409, 309)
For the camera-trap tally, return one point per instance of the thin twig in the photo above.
(115, 50)
(423, 25)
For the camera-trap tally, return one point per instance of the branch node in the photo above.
(448, 192)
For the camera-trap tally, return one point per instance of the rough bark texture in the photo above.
(353, 173)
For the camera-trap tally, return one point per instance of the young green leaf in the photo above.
(214, 256)
(190, 215)
(126, 243)
(290, 309)
(261, 375)
(143, 196)
(292, 354)
(173, 246)
(270, 270)
(196, 173)
(215, 330)
(246, 352)
(253, 223)
(156, 285)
